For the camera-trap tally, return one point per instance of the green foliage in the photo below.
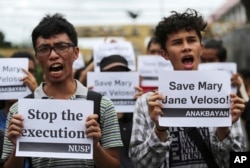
(39, 74)
(3, 43)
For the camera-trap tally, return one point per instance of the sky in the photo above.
(19, 17)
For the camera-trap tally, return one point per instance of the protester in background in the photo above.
(151, 144)
(29, 80)
(81, 74)
(214, 51)
(55, 43)
(153, 47)
(245, 74)
(117, 63)
(78, 63)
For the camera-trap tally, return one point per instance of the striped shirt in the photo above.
(108, 121)
(146, 150)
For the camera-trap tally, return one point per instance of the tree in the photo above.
(3, 43)
(246, 4)
(1, 38)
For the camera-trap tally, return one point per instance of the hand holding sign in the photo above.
(155, 106)
(15, 128)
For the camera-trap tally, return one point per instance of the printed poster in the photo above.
(195, 98)
(118, 86)
(10, 75)
(230, 67)
(149, 67)
(55, 128)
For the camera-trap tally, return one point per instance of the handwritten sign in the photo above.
(118, 86)
(55, 128)
(122, 48)
(10, 75)
(195, 98)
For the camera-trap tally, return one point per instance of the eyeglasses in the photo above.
(59, 48)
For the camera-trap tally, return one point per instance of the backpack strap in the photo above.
(96, 97)
(30, 96)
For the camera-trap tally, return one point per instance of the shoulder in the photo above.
(106, 102)
(13, 109)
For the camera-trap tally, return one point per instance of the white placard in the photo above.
(118, 86)
(55, 128)
(149, 67)
(230, 67)
(195, 98)
(122, 48)
(10, 75)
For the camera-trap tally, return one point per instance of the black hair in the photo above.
(25, 54)
(218, 46)
(152, 41)
(189, 20)
(245, 73)
(52, 25)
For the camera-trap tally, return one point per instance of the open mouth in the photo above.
(56, 67)
(187, 60)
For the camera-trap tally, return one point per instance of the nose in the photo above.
(53, 54)
(186, 46)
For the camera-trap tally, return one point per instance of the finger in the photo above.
(25, 71)
(92, 120)
(139, 89)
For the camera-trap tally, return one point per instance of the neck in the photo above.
(60, 90)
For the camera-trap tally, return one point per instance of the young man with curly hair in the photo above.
(155, 146)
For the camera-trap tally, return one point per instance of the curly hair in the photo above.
(189, 20)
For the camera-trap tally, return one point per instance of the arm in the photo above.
(106, 153)
(146, 149)
(227, 139)
(12, 131)
(237, 107)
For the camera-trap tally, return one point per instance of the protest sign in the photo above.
(10, 75)
(55, 128)
(122, 48)
(149, 67)
(195, 98)
(118, 86)
(230, 67)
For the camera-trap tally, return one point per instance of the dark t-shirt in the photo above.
(126, 127)
(246, 117)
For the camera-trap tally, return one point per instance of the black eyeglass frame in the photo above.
(54, 48)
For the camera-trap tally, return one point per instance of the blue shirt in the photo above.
(3, 118)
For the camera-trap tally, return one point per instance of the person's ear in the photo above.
(202, 48)
(164, 54)
(76, 53)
